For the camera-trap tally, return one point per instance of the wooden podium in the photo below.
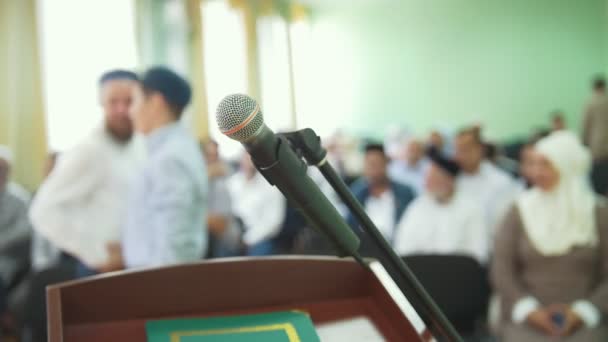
(115, 307)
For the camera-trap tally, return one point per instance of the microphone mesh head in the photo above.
(239, 117)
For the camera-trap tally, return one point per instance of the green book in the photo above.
(286, 326)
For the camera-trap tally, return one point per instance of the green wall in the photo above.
(424, 63)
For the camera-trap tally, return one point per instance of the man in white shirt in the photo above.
(81, 206)
(491, 188)
(260, 207)
(442, 220)
(410, 167)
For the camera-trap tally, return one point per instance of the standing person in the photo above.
(81, 206)
(595, 135)
(550, 266)
(166, 221)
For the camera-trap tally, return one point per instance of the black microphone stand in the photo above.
(308, 145)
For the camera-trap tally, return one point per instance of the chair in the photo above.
(458, 284)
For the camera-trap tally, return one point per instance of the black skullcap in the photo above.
(446, 164)
(117, 74)
(374, 147)
(170, 85)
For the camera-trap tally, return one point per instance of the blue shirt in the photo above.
(166, 220)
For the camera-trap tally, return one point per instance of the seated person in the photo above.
(383, 199)
(14, 188)
(44, 253)
(486, 184)
(442, 220)
(410, 167)
(550, 265)
(15, 229)
(224, 233)
(259, 206)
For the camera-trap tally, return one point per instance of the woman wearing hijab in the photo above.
(550, 266)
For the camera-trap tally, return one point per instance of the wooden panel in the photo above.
(115, 307)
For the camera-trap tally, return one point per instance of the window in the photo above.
(275, 71)
(225, 62)
(303, 74)
(323, 80)
(79, 41)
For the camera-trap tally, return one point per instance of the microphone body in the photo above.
(282, 167)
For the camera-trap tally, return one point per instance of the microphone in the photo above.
(240, 118)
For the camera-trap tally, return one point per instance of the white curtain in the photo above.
(275, 73)
(249, 48)
(225, 62)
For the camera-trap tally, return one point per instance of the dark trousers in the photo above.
(35, 306)
(599, 177)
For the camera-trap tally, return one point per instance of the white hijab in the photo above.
(563, 218)
(6, 154)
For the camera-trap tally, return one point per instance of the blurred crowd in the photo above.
(141, 192)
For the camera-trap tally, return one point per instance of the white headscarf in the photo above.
(6, 154)
(563, 218)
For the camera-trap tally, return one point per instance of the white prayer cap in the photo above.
(6, 154)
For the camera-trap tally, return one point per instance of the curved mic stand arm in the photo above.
(308, 145)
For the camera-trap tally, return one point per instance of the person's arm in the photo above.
(590, 309)
(177, 238)
(56, 211)
(217, 224)
(266, 224)
(505, 272)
